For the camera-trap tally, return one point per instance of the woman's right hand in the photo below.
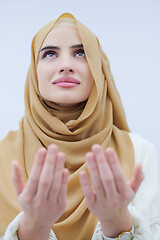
(43, 198)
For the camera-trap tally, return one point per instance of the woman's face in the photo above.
(63, 73)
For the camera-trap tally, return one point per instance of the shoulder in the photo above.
(8, 146)
(143, 148)
(140, 143)
(147, 199)
(10, 137)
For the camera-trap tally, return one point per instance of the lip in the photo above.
(66, 82)
(69, 80)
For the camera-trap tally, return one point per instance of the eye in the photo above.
(49, 54)
(79, 53)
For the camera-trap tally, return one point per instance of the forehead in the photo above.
(62, 35)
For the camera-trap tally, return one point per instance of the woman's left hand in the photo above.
(111, 193)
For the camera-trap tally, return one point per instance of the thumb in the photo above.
(17, 178)
(137, 178)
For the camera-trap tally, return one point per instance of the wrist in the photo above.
(30, 230)
(129, 235)
(116, 226)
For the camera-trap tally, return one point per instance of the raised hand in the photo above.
(110, 194)
(43, 198)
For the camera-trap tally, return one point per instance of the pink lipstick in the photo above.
(66, 82)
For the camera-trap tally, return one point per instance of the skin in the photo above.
(65, 61)
(43, 197)
(111, 193)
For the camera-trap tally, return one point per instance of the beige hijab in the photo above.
(99, 120)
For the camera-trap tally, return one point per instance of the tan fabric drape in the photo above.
(99, 120)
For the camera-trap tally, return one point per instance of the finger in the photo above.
(57, 176)
(94, 174)
(33, 181)
(104, 171)
(120, 181)
(63, 189)
(17, 178)
(46, 175)
(88, 193)
(137, 178)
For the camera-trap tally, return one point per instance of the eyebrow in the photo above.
(77, 46)
(57, 48)
(49, 47)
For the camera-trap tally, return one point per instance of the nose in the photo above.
(66, 69)
(66, 64)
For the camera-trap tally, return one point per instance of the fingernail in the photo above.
(96, 148)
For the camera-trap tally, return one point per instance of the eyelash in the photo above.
(51, 53)
(46, 54)
(79, 51)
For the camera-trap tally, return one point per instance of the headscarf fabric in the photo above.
(101, 119)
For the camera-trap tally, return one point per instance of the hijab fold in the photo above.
(100, 119)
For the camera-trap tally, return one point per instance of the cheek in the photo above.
(90, 81)
(42, 76)
(87, 72)
(45, 72)
(89, 76)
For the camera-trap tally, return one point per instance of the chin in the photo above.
(67, 104)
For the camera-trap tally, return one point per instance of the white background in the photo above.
(129, 32)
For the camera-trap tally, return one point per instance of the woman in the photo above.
(73, 110)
